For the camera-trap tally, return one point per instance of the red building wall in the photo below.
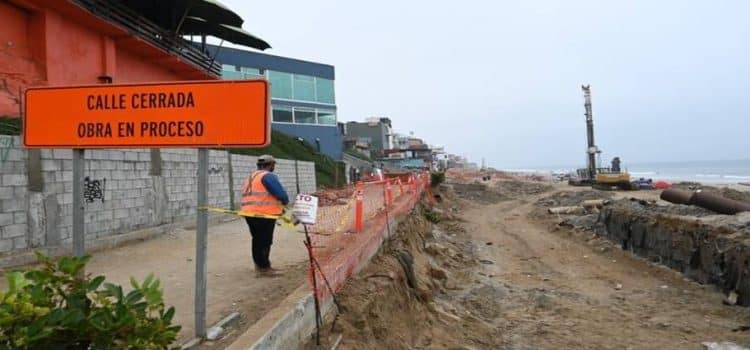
(133, 69)
(56, 43)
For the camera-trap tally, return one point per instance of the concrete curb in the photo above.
(226, 321)
(28, 257)
(290, 325)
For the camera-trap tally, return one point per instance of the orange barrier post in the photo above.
(388, 194)
(359, 207)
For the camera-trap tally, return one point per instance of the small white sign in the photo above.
(305, 208)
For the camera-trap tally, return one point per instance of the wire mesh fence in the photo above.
(346, 234)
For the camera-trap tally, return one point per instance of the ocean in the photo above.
(713, 171)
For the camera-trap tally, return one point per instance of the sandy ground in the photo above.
(232, 283)
(515, 280)
(593, 296)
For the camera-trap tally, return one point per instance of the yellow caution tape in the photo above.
(286, 220)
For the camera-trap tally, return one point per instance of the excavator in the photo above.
(597, 177)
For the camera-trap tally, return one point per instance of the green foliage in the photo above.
(284, 146)
(57, 307)
(10, 125)
(436, 178)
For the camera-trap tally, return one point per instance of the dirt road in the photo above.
(494, 273)
(569, 290)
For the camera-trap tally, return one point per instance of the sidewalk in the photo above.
(232, 284)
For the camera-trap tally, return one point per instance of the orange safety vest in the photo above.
(255, 196)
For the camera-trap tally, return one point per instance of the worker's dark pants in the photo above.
(262, 231)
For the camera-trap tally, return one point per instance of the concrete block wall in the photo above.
(13, 199)
(243, 166)
(124, 204)
(307, 182)
(131, 197)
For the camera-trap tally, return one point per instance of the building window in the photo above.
(304, 88)
(283, 114)
(251, 72)
(229, 71)
(281, 84)
(326, 117)
(324, 90)
(230, 74)
(304, 115)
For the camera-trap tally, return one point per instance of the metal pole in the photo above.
(385, 207)
(201, 245)
(318, 318)
(296, 175)
(79, 233)
(592, 149)
(230, 171)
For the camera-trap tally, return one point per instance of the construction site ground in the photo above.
(497, 272)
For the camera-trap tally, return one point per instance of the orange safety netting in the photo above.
(351, 230)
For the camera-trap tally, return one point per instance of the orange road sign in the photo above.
(154, 115)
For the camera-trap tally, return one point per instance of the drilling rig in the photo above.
(593, 175)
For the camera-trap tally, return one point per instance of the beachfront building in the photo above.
(303, 100)
(377, 132)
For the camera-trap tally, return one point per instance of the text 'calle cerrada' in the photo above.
(140, 101)
(144, 100)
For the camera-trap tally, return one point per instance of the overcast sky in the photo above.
(501, 79)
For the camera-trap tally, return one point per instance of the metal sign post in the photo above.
(296, 175)
(201, 245)
(79, 230)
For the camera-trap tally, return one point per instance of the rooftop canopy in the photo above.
(199, 26)
(197, 17)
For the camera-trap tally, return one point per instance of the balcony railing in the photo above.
(141, 27)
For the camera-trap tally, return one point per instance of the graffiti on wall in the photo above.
(6, 144)
(93, 190)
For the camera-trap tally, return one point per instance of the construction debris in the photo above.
(594, 203)
(571, 198)
(731, 298)
(575, 210)
(330, 197)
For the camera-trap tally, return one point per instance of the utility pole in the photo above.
(592, 150)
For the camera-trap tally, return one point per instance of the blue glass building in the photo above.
(303, 99)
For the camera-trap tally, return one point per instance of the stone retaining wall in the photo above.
(710, 249)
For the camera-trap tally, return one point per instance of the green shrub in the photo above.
(436, 178)
(57, 307)
(288, 147)
(10, 125)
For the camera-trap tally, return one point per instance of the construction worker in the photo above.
(263, 194)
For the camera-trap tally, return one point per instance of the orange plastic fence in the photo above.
(349, 232)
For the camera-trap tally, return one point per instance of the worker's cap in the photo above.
(266, 159)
